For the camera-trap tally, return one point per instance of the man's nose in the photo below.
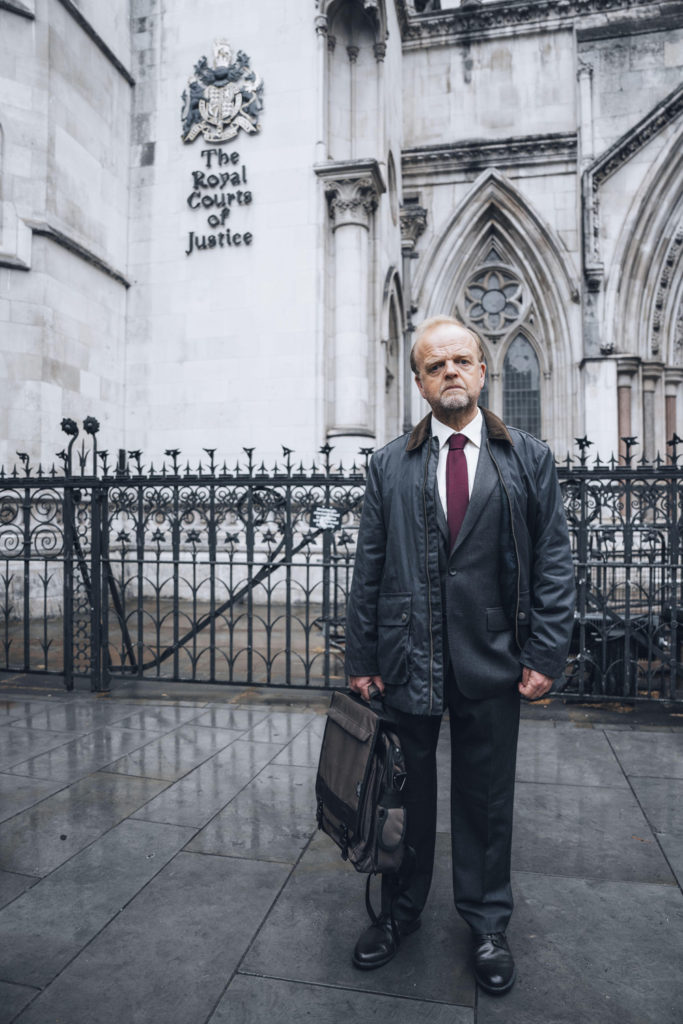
(451, 368)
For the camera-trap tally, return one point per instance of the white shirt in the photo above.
(473, 434)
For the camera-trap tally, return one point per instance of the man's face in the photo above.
(450, 376)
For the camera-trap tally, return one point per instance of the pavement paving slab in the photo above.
(673, 851)
(169, 955)
(560, 753)
(304, 749)
(175, 753)
(19, 710)
(641, 752)
(45, 928)
(603, 952)
(310, 934)
(41, 838)
(206, 790)
(18, 743)
(12, 885)
(159, 719)
(17, 793)
(81, 716)
(272, 818)
(242, 719)
(662, 802)
(83, 755)
(586, 831)
(279, 727)
(13, 998)
(256, 1000)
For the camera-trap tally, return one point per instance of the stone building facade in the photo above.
(233, 251)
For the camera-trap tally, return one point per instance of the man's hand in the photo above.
(534, 684)
(362, 684)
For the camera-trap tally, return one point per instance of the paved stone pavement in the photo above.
(159, 863)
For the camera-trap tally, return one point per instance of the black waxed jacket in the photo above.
(394, 613)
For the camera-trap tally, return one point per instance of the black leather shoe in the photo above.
(494, 967)
(380, 942)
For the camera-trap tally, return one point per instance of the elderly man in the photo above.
(462, 600)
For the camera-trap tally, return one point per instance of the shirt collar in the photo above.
(472, 431)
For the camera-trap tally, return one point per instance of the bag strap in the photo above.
(399, 881)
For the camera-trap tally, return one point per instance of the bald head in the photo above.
(430, 325)
(449, 370)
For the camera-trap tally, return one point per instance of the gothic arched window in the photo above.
(522, 387)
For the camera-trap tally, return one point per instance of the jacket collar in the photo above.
(496, 429)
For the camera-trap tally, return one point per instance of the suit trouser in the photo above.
(483, 754)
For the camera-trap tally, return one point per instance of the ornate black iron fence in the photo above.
(240, 574)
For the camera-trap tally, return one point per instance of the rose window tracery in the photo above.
(493, 300)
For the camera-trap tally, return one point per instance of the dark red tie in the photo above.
(457, 489)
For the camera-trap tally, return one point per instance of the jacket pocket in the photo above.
(497, 620)
(393, 637)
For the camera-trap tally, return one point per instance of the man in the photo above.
(462, 600)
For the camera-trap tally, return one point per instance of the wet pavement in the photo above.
(159, 862)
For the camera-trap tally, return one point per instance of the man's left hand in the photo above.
(534, 684)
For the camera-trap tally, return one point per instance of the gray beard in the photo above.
(457, 403)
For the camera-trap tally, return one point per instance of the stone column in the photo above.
(352, 53)
(585, 80)
(321, 113)
(626, 370)
(353, 189)
(651, 375)
(672, 384)
(413, 224)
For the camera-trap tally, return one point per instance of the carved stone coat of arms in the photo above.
(221, 100)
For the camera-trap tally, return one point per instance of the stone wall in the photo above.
(224, 343)
(65, 128)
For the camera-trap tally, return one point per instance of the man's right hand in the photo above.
(362, 684)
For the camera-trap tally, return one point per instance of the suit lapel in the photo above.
(441, 514)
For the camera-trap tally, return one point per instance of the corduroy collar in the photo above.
(495, 428)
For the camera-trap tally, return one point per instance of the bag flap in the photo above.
(360, 722)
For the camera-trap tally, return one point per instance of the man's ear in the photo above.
(419, 384)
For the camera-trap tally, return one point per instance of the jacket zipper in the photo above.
(514, 538)
(429, 584)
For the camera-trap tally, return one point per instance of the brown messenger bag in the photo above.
(359, 788)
